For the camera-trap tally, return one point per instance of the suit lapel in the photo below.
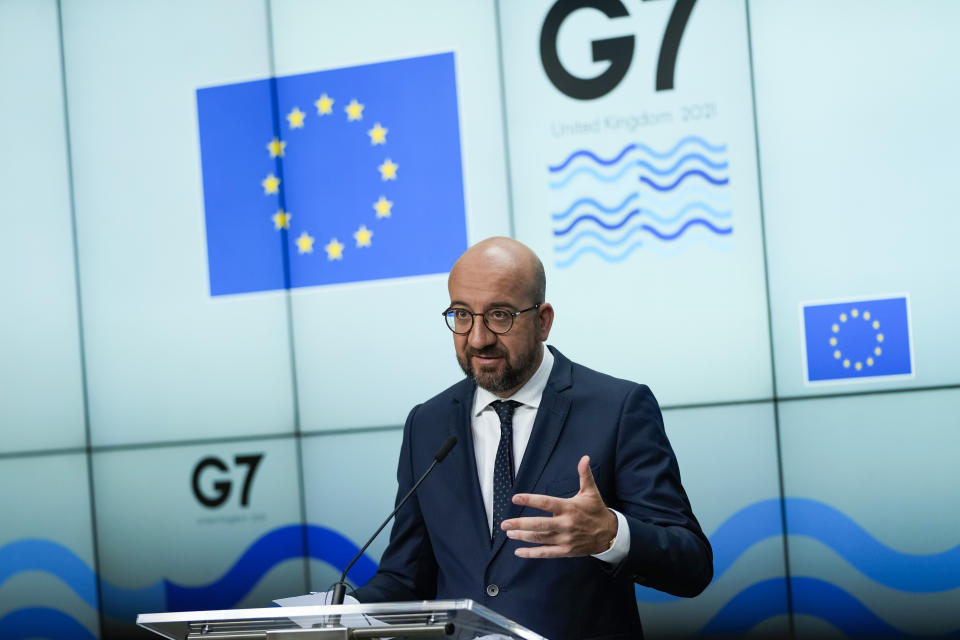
(465, 458)
(547, 427)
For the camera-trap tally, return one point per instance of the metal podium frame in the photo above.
(454, 619)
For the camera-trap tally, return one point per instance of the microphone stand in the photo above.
(340, 588)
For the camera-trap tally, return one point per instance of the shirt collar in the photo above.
(529, 394)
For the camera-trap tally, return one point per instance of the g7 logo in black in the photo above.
(618, 51)
(224, 486)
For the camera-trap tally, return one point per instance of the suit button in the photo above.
(492, 590)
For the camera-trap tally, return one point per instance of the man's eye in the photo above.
(461, 314)
(498, 314)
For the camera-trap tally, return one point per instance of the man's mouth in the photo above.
(485, 358)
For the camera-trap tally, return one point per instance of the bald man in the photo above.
(563, 491)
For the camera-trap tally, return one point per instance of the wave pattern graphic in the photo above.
(42, 622)
(274, 547)
(914, 573)
(278, 545)
(603, 255)
(683, 176)
(641, 164)
(642, 148)
(693, 173)
(692, 191)
(32, 554)
(905, 572)
(908, 572)
(562, 215)
(813, 597)
(588, 217)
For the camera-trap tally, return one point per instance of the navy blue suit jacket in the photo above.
(440, 543)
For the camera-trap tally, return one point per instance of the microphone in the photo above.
(340, 588)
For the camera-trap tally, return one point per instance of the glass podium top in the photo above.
(456, 619)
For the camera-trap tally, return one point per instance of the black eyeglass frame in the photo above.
(513, 315)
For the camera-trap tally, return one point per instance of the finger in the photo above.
(547, 551)
(537, 501)
(538, 537)
(586, 475)
(530, 524)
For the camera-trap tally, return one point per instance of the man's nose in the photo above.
(479, 335)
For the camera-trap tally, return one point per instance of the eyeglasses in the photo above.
(499, 321)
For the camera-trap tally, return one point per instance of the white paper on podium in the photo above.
(325, 597)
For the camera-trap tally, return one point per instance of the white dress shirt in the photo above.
(485, 425)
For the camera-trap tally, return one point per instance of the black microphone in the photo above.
(340, 588)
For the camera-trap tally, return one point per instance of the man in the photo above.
(552, 505)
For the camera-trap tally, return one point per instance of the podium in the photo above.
(452, 619)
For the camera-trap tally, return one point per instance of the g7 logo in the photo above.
(618, 51)
(223, 487)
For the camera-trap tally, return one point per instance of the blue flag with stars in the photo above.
(857, 339)
(335, 176)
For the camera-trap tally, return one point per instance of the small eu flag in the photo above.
(863, 338)
(330, 177)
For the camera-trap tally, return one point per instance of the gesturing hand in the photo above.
(580, 526)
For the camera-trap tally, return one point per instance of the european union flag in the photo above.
(857, 339)
(335, 176)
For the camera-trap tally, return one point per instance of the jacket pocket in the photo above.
(567, 486)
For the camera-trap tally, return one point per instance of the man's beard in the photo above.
(512, 376)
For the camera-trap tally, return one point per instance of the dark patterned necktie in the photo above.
(503, 464)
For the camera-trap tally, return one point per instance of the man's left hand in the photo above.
(580, 526)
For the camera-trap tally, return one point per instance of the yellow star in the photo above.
(295, 118)
(382, 207)
(354, 110)
(270, 184)
(276, 147)
(388, 170)
(324, 105)
(334, 250)
(362, 236)
(305, 243)
(378, 135)
(281, 220)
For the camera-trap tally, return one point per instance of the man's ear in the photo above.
(544, 321)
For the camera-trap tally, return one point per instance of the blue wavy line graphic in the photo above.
(914, 573)
(908, 572)
(702, 206)
(591, 217)
(666, 236)
(590, 234)
(280, 544)
(616, 242)
(750, 607)
(582, 201)
(31, 554)
(639, 147)
(722, 231)
(598, 176)
(611, 258)
(811, 596)
(683, 176)
(688, 192)
(638, 163)
(42, 622)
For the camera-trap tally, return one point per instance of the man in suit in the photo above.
(563, 491)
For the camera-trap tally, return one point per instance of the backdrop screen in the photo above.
(225, 232)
